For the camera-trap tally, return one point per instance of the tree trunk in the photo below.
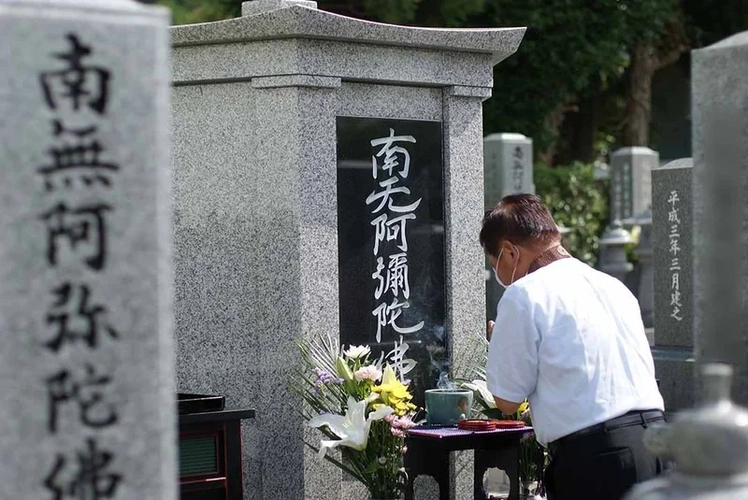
(579, 130)
(638, 111)
(645, 61)
(553, 124)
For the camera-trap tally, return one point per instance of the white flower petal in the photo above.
(358, 351)
(335, 422)
(380, 413)
(324, 445)
(482, 389)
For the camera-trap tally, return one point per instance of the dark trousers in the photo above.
(604, 461)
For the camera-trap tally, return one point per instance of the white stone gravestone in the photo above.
(87, 393)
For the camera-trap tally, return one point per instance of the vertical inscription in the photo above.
(77, 91)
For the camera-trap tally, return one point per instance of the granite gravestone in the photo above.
(720, 164)
(631, 181)
(87, 396)
(507, 160)
(672, 228)
(257, 104)
(507, 169)
(391, 244)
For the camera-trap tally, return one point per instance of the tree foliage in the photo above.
(578, 203)
(581, 79)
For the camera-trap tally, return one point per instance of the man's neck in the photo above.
(550, 254)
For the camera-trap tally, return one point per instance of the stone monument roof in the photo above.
(299, 21)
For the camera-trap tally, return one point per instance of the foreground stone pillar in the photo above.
(720, 166)
(87, 395)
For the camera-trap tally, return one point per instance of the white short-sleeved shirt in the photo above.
(572, 339)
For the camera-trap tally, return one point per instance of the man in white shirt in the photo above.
(570, 339)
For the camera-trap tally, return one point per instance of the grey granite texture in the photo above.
(133, 284)
(465, 282)
(386, 101)
(347, 60)
(630, 169)
(56, 8)
(676, 378)
(256, 260)
(673, 177)
(299, 22)
(274, 82)
(720, 164)
(470, 91)
(254, 7)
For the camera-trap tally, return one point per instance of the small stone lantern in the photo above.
(709, 445)
(613, 258)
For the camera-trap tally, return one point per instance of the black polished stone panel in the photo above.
(386, 186)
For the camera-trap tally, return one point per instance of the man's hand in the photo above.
(490, 329)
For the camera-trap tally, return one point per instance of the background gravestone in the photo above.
(672, 227)
(87, 396)
(274, 117)
(720, 164)
(507, 160)
(631, 181)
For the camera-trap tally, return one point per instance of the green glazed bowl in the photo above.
(448, 406)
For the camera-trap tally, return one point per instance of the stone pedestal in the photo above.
(87, 393)
(720, 198)
(261, 103)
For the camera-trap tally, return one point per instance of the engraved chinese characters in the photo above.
(674, 250)
(392, 224)
(78, 92)
(672, 253)
(85, 282)
(391, 243)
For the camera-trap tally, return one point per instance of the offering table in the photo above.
(429, 448)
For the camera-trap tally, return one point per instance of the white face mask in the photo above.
(496, 273)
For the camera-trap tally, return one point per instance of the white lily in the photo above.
(482, 389)
(357, 351)
(352, 428)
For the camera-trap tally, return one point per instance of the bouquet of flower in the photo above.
(362, 409)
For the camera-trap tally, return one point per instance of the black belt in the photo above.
(629, 419)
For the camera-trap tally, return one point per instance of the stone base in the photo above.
(676, 382)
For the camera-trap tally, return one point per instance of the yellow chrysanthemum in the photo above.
(394, 393)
